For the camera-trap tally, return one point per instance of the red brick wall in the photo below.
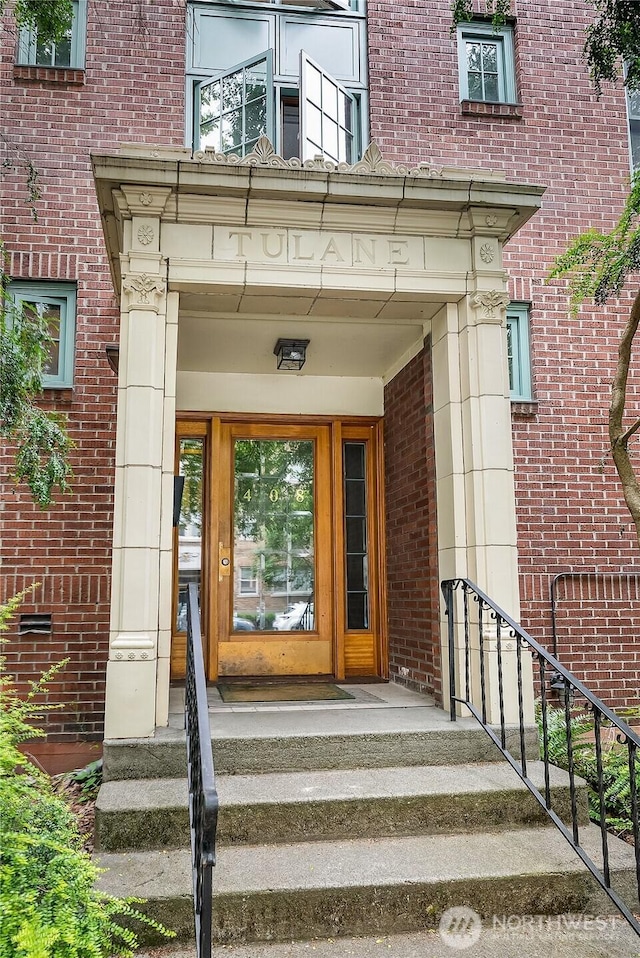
(570, 509)
(132, 91)
(412, 558)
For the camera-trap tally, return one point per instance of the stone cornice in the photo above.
(371, 164)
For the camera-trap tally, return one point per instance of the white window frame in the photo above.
(503, 37)
(28, 42)
(520, 367)
(55, 294)
(252, 581)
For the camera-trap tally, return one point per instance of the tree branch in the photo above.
(630, 432)
(617, 435)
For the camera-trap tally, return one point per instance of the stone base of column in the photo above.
(130, 699)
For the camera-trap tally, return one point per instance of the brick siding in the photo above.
(410, 493)
(132, 90)
(570, 511)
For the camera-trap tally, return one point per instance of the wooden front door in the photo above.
(282, 525)
(274, 551)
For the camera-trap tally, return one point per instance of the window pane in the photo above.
(210, 134)
(255, 81)
(256, 119)
(314, 84)
(356, 534)
(473, 58)
(314, 126)
(274, 533)
(491, 88)
(330, 138)
(489, 58)
(232, 91)
(210, 101)
(190, 525)
(231, 130)
(329, 98)
(475, 86)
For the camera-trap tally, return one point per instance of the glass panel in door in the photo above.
(273, 535)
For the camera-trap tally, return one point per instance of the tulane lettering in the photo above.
(316, 246)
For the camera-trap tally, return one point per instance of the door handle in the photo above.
(224, 561)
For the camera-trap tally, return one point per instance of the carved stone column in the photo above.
(144, 478)
(474, 466)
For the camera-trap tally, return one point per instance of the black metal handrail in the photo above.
(203, 797)
(474, 645)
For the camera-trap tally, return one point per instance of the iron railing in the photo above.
(203, 797)
(483, 629)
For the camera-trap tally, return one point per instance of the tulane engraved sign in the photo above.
(296, 247)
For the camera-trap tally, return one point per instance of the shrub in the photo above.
(49, 905)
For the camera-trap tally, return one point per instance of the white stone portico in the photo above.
(213, 258)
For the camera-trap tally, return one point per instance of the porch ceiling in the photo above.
(241, 345)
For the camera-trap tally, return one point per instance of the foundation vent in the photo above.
(38, 623)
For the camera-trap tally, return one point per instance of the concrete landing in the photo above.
(319, 889)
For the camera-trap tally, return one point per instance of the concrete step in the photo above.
(562, 936)
(294, 740)
(287, 807)
(365, 887)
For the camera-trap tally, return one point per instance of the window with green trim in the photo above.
(68, 52)
(518, 353)
(56, 302)
(486, 63)
(295, 73)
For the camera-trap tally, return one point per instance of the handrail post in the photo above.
(447, 588)
(203, 797)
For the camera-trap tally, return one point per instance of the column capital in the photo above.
(143, 291)
(490, 304)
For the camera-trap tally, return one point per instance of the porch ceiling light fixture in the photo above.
(291, 353)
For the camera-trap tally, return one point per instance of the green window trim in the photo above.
(486, 63)
(61, 297)
(633, 111)
(70, 53)
(518, 352)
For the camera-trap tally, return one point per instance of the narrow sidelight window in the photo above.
(356, 537)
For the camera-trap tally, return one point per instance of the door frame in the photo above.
(355, 653)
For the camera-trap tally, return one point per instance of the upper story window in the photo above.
(486, 63)
(633, 109)
(68, 52)
(518, 353)
(56, 302)
(272, 69)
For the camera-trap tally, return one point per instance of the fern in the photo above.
(616, 776)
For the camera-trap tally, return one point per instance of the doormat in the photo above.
(292, 692)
